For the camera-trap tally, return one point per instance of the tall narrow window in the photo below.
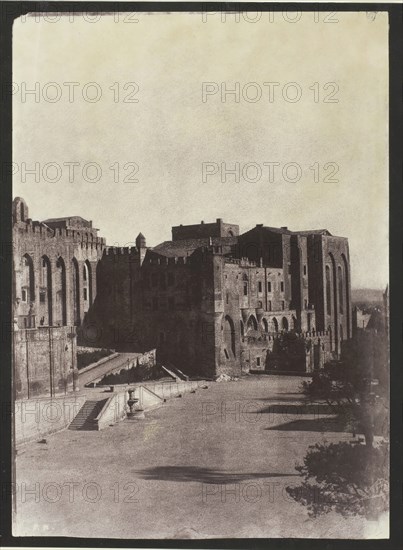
(245, 289)
(340, 277)
(268, 286)
(282, 286)
(259, 286)
(328, 291)
(269, 307)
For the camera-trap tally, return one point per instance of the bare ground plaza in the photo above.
(214, 463)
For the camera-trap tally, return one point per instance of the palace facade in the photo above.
(210, 300)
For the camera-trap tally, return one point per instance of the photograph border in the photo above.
(9, 12)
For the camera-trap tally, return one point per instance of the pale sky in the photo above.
(170, 132)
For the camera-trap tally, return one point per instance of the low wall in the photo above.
(36, 418)
(149, 397)
(113, 411)
(165, 390)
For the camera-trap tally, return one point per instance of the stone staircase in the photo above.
(85, 418)
(90, 377)
(174, 372)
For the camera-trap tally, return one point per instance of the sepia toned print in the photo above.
(200, 275)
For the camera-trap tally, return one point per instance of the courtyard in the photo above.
(211, 464)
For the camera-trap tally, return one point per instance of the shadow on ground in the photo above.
(311, 425)
(295, 409)
(202, 475)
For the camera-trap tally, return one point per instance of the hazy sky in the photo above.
(170, 131)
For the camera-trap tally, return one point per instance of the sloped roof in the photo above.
(286, 231)
(185, 247)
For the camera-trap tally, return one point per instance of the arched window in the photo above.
(341, 297)
(242, 328)
(87, 285)
(76, 291)
(265, 325)
(275, 324)
(45, 293)
(284, 323)
(229, 334)
(346, 288)
(328, 292)
(28, 279)
(252, 323)
(60, 290)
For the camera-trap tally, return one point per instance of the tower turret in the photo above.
(141, 246)
(140, 241)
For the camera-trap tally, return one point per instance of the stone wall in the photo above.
(54, 270)
(45, 361)
(36, 418)
(207, 308)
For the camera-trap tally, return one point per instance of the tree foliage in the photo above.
(351, 479)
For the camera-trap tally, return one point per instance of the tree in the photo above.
(348, 478)
(348, 387)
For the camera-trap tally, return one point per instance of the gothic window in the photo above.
(328, 291)
(340, 277)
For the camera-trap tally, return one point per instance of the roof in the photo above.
(64, 219)
(286, 231)
(185, 247)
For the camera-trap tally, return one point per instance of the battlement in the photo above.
(121, 251)
(40, 229)
(242, 262)
(165, 260)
